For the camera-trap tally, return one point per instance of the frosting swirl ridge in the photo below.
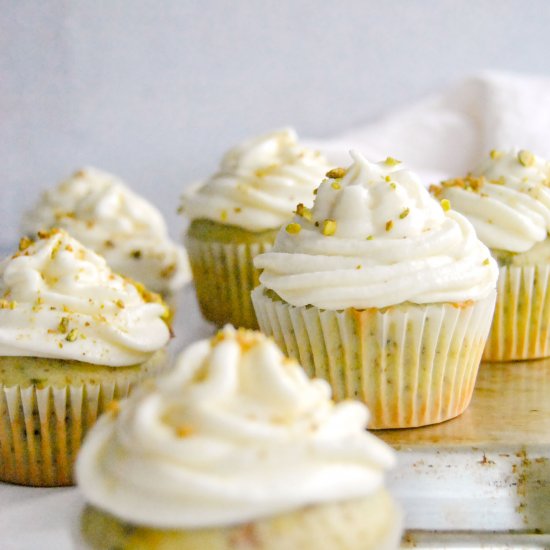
(259, 183)
(506, 198)
(60, 300)
(100, 211)
(236, 432)
(376, 238)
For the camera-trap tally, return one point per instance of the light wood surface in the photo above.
(510, 406)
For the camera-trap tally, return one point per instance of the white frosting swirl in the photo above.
(60, 300)
(392, 243)
(509, 204)
(259, 183)
(235, 433)
(101, 212)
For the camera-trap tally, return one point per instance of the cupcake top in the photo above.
(376, 238)
(259, 183)
(507, 199)
(234, 433)
(101, 212)
(60, 300)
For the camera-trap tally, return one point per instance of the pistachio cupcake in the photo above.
(383, 292)
(100, 211)
(74, 337)
(507, 199)
(236, 448)
(236, 214)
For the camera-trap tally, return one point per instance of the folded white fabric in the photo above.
(446, 134)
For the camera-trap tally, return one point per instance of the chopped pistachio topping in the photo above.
(315, 191)
(500, 181)
(335, 185)
(293, 228)
(72, 336)
(6, 304)
(47, 234)
(494, 154)
(55, 250)
(303, 211)
(486, 261)
(390, 161)
(266, 170)
(136, 254)
(404, 214)
(388, 178)
(370, 237)
(223, 215)
(245, 338)
(526, 158)
(185, 430)
(470, 183)
(113, 407)
(24, 243)
(389, 225)
(120, 304)
(63, 326)
(336, 173)
(435, 190)
(446, 205)
(359, 266)
(168, 271)
(329, 227)
(393, 186)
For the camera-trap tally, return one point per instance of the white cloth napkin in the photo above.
(446, 134)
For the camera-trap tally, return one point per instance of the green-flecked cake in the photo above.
(235, 215)
(236, 448)
(223, 271)
(383, 292)
(507, 199)
(74, 339)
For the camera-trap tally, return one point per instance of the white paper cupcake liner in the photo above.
(42, 428)
(521, 324)
(224, 276)
(411, 364)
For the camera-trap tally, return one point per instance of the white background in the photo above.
(156, 90)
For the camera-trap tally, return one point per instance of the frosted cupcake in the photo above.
(236, 448)
(383, 292)
(73, 338)
(101, 212)
(236, 214)
(507, 199)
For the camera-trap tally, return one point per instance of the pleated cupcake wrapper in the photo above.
(41, 429)
(224, 277)
(521, 325)
(412, 365)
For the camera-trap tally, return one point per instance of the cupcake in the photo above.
(101, 212)
(383, 292)
(74, 337)
(507, 199)
(236, 448)
(236, 214)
